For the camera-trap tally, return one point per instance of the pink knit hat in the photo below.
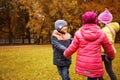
(105, 17)
(89, 17)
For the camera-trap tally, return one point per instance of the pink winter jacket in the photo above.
(88, 41)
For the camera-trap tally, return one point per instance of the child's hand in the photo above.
(107, 58)
(64, 54)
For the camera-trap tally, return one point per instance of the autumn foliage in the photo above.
(35, 18)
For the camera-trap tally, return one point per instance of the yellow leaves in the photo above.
(73, 3)
(76, 21)
(53, 12)
(70, 10)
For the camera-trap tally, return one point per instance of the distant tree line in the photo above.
(34, 19)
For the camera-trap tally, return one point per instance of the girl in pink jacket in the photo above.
(88, 41)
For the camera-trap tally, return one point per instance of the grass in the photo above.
(35, 62)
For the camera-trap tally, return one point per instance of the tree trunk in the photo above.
(9, 27)
(29, 41)
(28, 35)
(22, 40)
(10, 36)
(38, 40)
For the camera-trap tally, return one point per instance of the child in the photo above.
(110, 29)
(88, 41)
(61, 39)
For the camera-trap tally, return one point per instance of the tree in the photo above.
(9, 12)
(13, 20)
(22, 20)
(35, 18)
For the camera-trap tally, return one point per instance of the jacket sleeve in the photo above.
(108, 48)
(57, 45)
(72, 48)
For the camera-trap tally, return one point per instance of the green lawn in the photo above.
(34, 62)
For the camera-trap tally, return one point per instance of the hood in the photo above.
(55, 32)
(90, 32)
(115, 26)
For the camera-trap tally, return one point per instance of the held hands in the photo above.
(64, 54)
(106, 58)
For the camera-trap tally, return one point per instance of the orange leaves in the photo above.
(51, 10)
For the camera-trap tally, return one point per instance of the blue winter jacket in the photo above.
(59, 46)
